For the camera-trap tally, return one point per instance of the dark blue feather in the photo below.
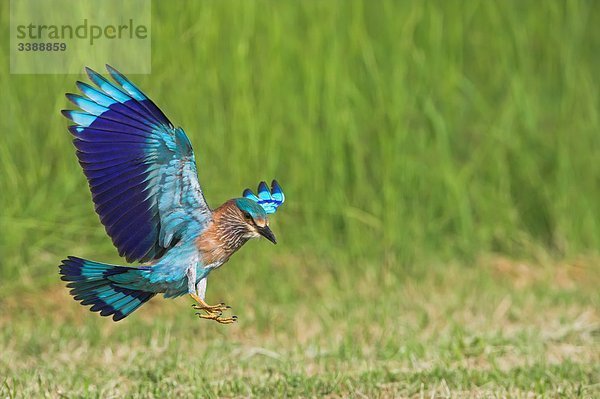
(110, 125)
(127, 116)
(137, 241)
(124, 201)
(132, 228)
(102, 159)
(103, 169)
(104, 295)
(105, 193)
(121, 172)
(128, 225)
(120, 149)
(103, 136)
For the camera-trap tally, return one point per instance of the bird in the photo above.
(142, 174)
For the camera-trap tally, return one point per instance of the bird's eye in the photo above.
(247, 216)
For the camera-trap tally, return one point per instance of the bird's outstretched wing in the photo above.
(270, 200)
(140, 168)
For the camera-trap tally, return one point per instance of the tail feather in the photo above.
(91, 284)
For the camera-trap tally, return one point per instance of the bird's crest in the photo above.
(270, 200)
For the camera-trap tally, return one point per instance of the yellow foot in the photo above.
(217, 317)
(213, 312)
(211, 308)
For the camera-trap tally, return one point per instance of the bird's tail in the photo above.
(104, 287)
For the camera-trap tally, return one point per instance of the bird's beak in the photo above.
(267, 233)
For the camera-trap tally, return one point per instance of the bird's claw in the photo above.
(211, 308)
(214, 312)
(217, 317)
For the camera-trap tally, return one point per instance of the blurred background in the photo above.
(441, 231)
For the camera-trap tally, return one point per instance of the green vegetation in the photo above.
(505, 329)
(441, 233)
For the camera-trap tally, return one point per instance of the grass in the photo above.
(503, 329)
(441, 233)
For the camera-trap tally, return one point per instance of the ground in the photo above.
(502, 329)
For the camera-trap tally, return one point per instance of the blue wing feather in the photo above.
(124, 134)
(140, 96)
(107, 87)
(122, 184)
(103, 136)
(95, 95)
(88, 106)
(106, 193)
(141, 170)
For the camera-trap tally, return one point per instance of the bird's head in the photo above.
(253, 218)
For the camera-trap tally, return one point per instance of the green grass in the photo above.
(441, 233)
(505, 328)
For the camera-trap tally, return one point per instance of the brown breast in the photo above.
(213, 245)
(210, 246)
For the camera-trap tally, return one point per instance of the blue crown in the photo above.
(270, 200)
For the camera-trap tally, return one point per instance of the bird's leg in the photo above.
(198, 293)
(201, 305)
(213, 312)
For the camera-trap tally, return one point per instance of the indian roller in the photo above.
(142, 174)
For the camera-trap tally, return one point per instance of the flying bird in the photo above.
(142, 174)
